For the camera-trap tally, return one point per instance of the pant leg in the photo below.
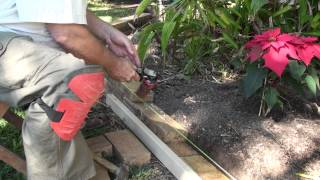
(29, 71)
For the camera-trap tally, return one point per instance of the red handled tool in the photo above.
(149, 80)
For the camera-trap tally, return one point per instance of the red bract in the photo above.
(306, 48)
(276, 49)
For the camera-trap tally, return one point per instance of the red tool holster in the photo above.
(88, 87)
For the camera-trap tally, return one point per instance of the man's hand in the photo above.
(79, 41)
(122, 46)
(122, 70)
(117, 42)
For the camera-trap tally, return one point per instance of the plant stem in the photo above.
(262, 102)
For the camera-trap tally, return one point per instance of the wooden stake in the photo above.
(107, 164)
(13, 160)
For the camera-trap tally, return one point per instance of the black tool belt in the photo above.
(5, 38)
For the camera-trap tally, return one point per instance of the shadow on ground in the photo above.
(226, 126)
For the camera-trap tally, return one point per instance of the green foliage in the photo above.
(296, 70)
(256, 5)
(304, 80)
(311, 84)
(271, 97)
(144, 44)
(142, 6)
(196, 49)
(10, 137)
(253, 80)
(167, 30)
(196, 27)
(140, 173)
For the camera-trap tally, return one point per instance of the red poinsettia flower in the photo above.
(276, 49)
(306, 48)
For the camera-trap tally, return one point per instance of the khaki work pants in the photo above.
(29, 71)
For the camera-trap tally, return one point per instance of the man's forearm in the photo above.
(79, 41)
(98, 27)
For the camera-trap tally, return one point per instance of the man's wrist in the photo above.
(98, 27)
(109, 58)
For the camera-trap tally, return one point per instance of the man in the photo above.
(51, 52)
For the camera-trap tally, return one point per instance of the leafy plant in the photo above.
(228, 21)
(280, 59)
(184, 20)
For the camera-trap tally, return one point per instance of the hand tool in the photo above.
(149, 80)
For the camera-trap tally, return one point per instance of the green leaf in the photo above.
(230, 40)
(214, 18)
(257, 4)
(311, 84)
(282, 11)
(153, 27)
(315, 22)
(314, 73)
(226, 18)
(271, 97)
(315, 33)
(167, 30)
(144, 44)
(253, 80)
(142, 6)
(296, 70)
(295, 85)
(303, 9)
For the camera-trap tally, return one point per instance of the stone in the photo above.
(205, 169)
(128, 148)
(182, 149)
(101, 173)
(99, 145)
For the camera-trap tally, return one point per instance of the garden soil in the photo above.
(226, 126)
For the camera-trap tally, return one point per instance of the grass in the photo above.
(10, 137)
(108, 12)
(140, 173)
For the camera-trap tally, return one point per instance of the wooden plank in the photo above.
(205, 169)
(123, 23)
(13, 160)
(13, 119)
(3, 109)
(175, 165)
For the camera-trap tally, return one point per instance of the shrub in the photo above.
(280, 60)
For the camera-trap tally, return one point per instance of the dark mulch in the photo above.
(225, 124)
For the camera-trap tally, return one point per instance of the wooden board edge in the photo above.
(174, 164)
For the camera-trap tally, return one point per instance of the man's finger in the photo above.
(133, 55)
(129, 46)
(135, 59)
(136, 77)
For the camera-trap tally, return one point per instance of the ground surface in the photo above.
(113, 10)
(227, 127)
(107, 121)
